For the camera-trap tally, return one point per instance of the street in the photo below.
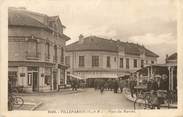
(84, 99)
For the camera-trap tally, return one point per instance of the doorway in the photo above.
(54, 80)
(33, 78)
(35, 86)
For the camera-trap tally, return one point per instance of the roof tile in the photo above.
(93, 43)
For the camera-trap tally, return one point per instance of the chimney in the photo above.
(81, 38)
(166, 59)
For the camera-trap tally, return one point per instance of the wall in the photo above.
(18, 43)
(115, 65)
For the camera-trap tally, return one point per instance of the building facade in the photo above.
(94, 57)
(36, 45)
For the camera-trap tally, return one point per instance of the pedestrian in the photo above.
(121, 85)
(95, 84)
(149, 85)
(164, 84)
(154, 85)
(109, 84)
(132, 86)
(115, 86)
(154, 100)
(102, 86)
(106, 85)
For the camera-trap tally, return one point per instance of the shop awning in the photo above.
(74, 76)
(103, 76)
(62, 66)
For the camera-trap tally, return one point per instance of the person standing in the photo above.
(132, 86)
(115, 85)
(164, 84)
(154, 85)
(102, 86)
(121, 85)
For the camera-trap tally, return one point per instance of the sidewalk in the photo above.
(127, 94)
(62, 91)
(31, 103)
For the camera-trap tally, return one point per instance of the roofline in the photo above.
(66, 37)
(45, 26)
(137, 54)
(91, 50)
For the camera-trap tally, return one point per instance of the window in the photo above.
(62, 55)
(95, 61)
(12, 73)
(121, 63)
(142, 63)
(12, 78)
(81, 61)
(32, 48)
(127, 63)
(47, 50)
(108, 61)
(114, 59)
(55, 53)
(135, 63)
(29, 79)
(67, 60)
(146, 61)
(152, 62)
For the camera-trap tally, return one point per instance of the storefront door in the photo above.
(35, 86)
(54, 80)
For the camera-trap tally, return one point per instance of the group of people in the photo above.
(74, 84)
(155, 85)
(158, 83)
(110, 84)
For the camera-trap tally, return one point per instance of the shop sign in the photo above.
(22, 74)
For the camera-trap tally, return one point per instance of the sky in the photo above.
(146, 22)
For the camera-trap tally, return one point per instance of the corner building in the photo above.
(36, 46)
(94, 57)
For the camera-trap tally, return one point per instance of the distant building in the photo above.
(94, 57)
(171, 59)
(36, 46)
(169, 68)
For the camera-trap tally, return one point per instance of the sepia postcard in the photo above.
(91, 58)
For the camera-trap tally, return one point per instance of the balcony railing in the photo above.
(35, 56)
(54, 58)
(47, 57)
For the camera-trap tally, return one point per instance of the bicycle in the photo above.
(14, 101)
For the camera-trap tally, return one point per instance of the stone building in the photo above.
(94, 57)
(36, 45)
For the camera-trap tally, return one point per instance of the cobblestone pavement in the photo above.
(86, 99)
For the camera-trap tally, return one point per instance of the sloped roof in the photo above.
(19, 18)
(22, 17)
(172, 57)
(93, 43)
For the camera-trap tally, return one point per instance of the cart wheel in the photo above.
(18, 102)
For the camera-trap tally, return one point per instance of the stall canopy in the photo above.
(74, 76)
(158, 69)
